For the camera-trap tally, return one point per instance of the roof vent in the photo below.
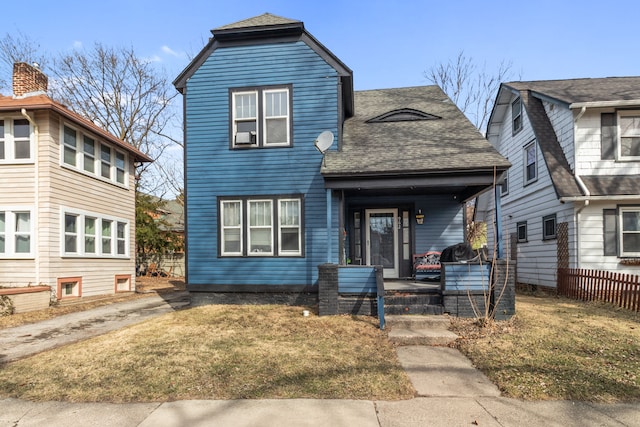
(403, 115)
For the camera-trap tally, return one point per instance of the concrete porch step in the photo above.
(413, 309)
(420, 330)
(434, 337)
(418, 321)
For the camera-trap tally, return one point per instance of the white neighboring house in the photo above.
(572, 196)
(67, 199)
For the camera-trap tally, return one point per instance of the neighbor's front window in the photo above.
(231, 227)
(629, 148)
(15, 141)
(630, 231)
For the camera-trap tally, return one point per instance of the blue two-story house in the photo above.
(287, 168)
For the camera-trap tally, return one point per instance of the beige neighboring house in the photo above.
(67, 202)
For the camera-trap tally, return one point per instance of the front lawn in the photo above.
(219, 352)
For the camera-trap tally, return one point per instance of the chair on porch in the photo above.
(426, 266)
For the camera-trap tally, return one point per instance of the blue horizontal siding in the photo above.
(462, 277)
(357, 280)
(214, 170)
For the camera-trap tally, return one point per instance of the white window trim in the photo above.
(97, 158)
(259, 227)
(9, 142)
(287, 117)
(621, 114)
(275, 227)
(261, 119)
(526, 164)
(223, 228)
(621, 231)
(235, 119)
(299, 227)
(10, 233)
(80, 235)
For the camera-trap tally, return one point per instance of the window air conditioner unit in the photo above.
(246, 137)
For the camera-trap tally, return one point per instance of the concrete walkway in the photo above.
(450, 392)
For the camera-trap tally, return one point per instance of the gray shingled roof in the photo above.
(561, 175)
(618, 185)
(450, 143)
(263, 20)
(584, 90)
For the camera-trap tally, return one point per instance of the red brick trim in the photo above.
(118, 277)
(24, 290)
(62, 280)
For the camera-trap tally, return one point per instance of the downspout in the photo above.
(583, 187)
(35, 226)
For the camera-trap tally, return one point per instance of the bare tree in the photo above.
(18, 48)
(123, 94)
(470, 86)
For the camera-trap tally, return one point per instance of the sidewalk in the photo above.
(450, 392)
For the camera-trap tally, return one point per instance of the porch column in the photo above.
(329, 232)
(497, 189)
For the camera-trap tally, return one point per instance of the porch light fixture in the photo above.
(419, 217)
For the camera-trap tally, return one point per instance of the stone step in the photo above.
(437, 322)
(433, 337)
(425, 299)
(412, 309)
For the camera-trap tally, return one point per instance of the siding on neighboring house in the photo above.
(591, 242)
(215, 170)
(537, 258)
(73, 191)
(589, 138)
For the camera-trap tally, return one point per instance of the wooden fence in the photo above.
(619, 289)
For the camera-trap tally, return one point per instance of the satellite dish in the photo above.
(324, 141)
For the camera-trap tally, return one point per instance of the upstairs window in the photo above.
(15, 141)
(261, 117)
(85, 154)
(530, 163)
(516, 115)
(629, 141)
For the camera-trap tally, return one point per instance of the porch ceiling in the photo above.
(460, 186)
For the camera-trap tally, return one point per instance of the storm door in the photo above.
(382, 240)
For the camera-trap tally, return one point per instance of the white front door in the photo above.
(382, 240)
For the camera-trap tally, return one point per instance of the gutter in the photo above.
(36, 221)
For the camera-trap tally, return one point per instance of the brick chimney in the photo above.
(28, 79)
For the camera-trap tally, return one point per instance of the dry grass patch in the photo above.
(219, 352)
(555, 348)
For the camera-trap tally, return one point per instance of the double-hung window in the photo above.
(516, 115)
(266, 226)
(630, 231)
(15, 141)
(530, 163)
(86, 234)
(260, 227)
(16, 229)
(629, 141)
(261, 117)
(84, 153)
